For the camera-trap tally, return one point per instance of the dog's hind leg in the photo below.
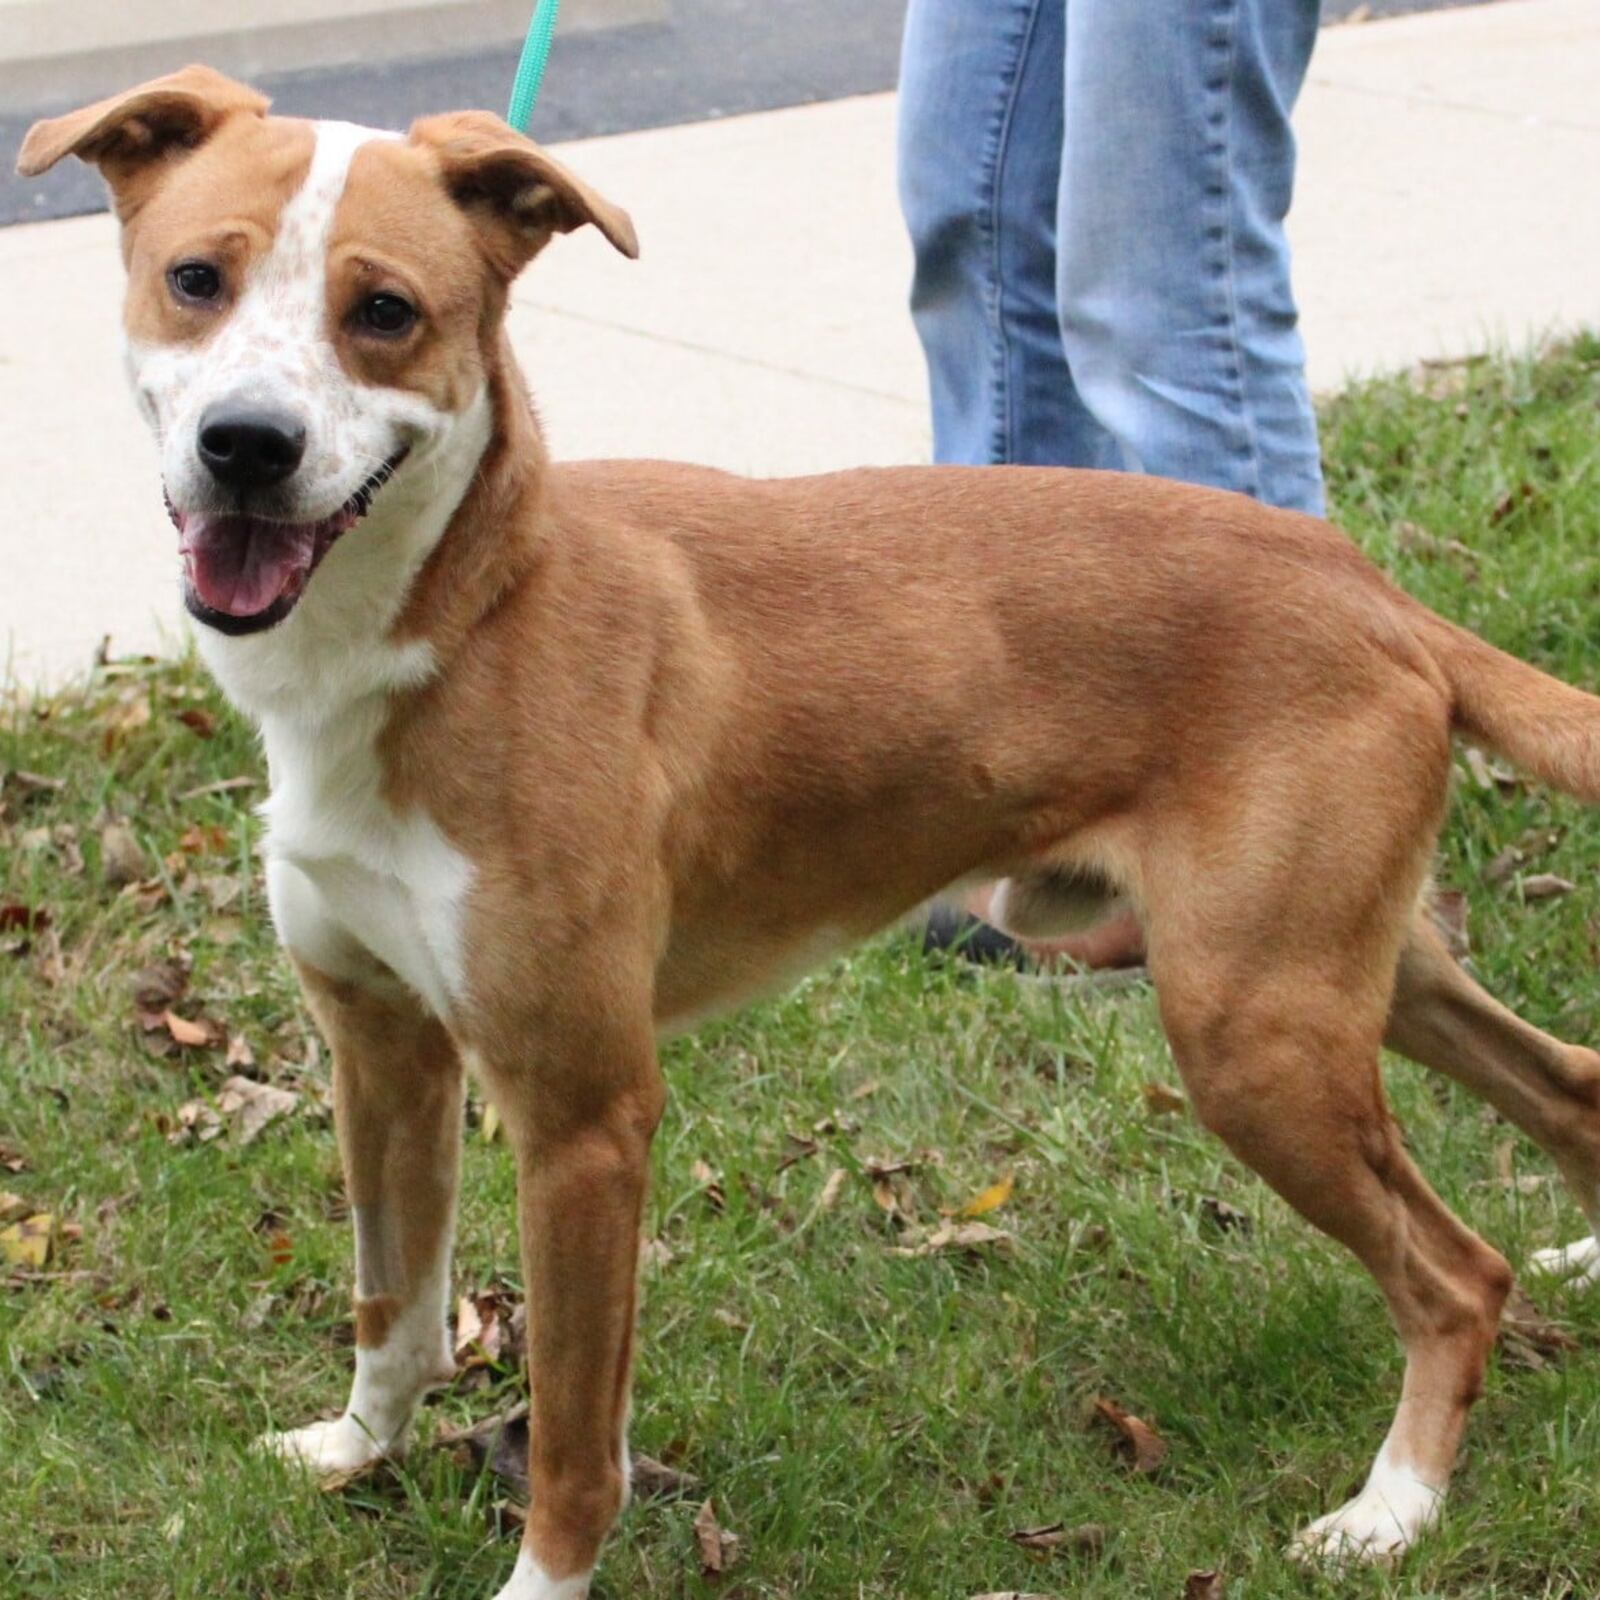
(398, 1089)
(1285, 1070)
(1442, 1019)
(1273, 946)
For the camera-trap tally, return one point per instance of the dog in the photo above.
(567, 757)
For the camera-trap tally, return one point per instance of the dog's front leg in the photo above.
(397, 1085)
(580, 1119)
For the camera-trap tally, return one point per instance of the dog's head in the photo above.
(312, 309)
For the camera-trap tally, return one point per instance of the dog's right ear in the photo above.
(127, 134)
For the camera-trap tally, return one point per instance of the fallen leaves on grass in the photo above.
(1161, 1100)
(990, 1199)
(198, 721)
(1204, 1586)
(832, 1188)
(485, 1328)
(1087, 1538)
(15, 917)
(196, 1122)
(1527, 1338)
(1140, 1444)
(972, 1238)
(12, 1206)
(710, 1186)
(251, 1107)
(1225, 1217)
(501, 1443)
(192, 1035)
(121, 859)
(159, 985)
(28, 1243)
(718, 1548)
(1545, 886)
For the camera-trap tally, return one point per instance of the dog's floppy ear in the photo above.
(516, 193)
(126, 133)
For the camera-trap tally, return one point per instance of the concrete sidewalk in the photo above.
(1448, 201)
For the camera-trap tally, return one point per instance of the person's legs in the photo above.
(980, 153)
(1177, 316)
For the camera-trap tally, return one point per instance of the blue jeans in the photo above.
(1096, 192)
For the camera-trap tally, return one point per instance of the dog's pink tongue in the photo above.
(240, 565)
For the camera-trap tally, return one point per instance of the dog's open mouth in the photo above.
(244, 573)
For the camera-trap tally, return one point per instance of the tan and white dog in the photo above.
(566, 756)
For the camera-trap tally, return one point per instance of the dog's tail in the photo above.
(1544, 726)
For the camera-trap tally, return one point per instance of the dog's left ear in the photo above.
(516, 193)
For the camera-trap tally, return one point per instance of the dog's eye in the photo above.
(387, 314)
(196, 281)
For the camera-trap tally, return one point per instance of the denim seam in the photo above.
(1001, 442)
(1252, 451)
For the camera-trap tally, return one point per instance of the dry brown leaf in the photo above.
(1545, 886)
(250, 1106)
(719, 1549)
(1087, 1538)
(239, 1052)
(1527, 1338)
(655, 1254)
(198, 720)
(1204, 1586)
(481, 1327)
(990, 1199)
(12, 1206)
(832, 1189)
(972, 1237)
(802, 1148)
(655, 1480)
(1227, 1218)
(204, 839)
(710, 1184)
(27, 1243)
(12, 1160)
(18, 918)
(1143, 1446)
(1161, 1100)
(191, 1035)
(197, 1121)
(157, 986)
(121, 859)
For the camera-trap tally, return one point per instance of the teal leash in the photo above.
(530, 69)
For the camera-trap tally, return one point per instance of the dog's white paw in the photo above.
(531, 1582)
(327, 1449)
(1381, 1523)
(1578, 1261)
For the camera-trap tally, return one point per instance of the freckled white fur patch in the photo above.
(529, 1581)
(391, 1378)
(1394, 1507)
(349, 878)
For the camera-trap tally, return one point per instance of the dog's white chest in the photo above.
(349, 878)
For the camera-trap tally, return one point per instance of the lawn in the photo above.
(869, 1418)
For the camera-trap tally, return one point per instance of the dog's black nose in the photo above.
(250, 447)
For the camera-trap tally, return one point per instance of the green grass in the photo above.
(869, 1425)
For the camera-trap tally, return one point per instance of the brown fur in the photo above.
(693, 731)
